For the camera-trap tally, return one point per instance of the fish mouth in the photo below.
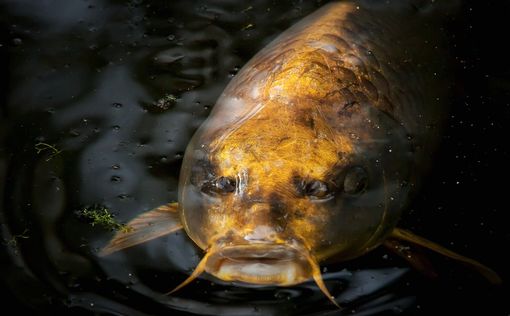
(263, 264)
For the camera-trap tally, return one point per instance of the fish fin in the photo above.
(405, 235)
(414, 257)
(155, 223)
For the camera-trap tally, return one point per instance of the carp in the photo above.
(314, 149)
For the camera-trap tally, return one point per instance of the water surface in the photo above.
(119, 88)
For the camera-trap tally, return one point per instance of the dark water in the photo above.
(120, 86)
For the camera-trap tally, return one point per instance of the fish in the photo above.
(315, 148)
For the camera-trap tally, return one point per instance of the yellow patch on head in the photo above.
(306, 74)
(286, 134)
(274, 146)
(265, 154)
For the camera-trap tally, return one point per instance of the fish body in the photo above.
(314, 148)
(313, 145)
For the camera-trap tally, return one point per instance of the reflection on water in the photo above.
(119, 88)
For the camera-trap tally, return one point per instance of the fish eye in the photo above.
(219, 186)
(355, 181)
(317, 189)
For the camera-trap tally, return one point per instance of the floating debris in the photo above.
(45, 147)
(14, 241)
(247, 9)
(162, 104)
(99, 215)
(248, 26)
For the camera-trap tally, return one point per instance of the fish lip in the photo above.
(266, 252)
(260, 263)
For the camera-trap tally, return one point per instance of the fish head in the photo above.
(270, 195)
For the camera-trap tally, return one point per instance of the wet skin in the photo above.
(305, 148)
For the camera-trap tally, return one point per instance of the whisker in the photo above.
(317, 276)
(198, 270)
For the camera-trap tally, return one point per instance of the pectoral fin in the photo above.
(407, 236)
(155, 223)
(413, 256)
